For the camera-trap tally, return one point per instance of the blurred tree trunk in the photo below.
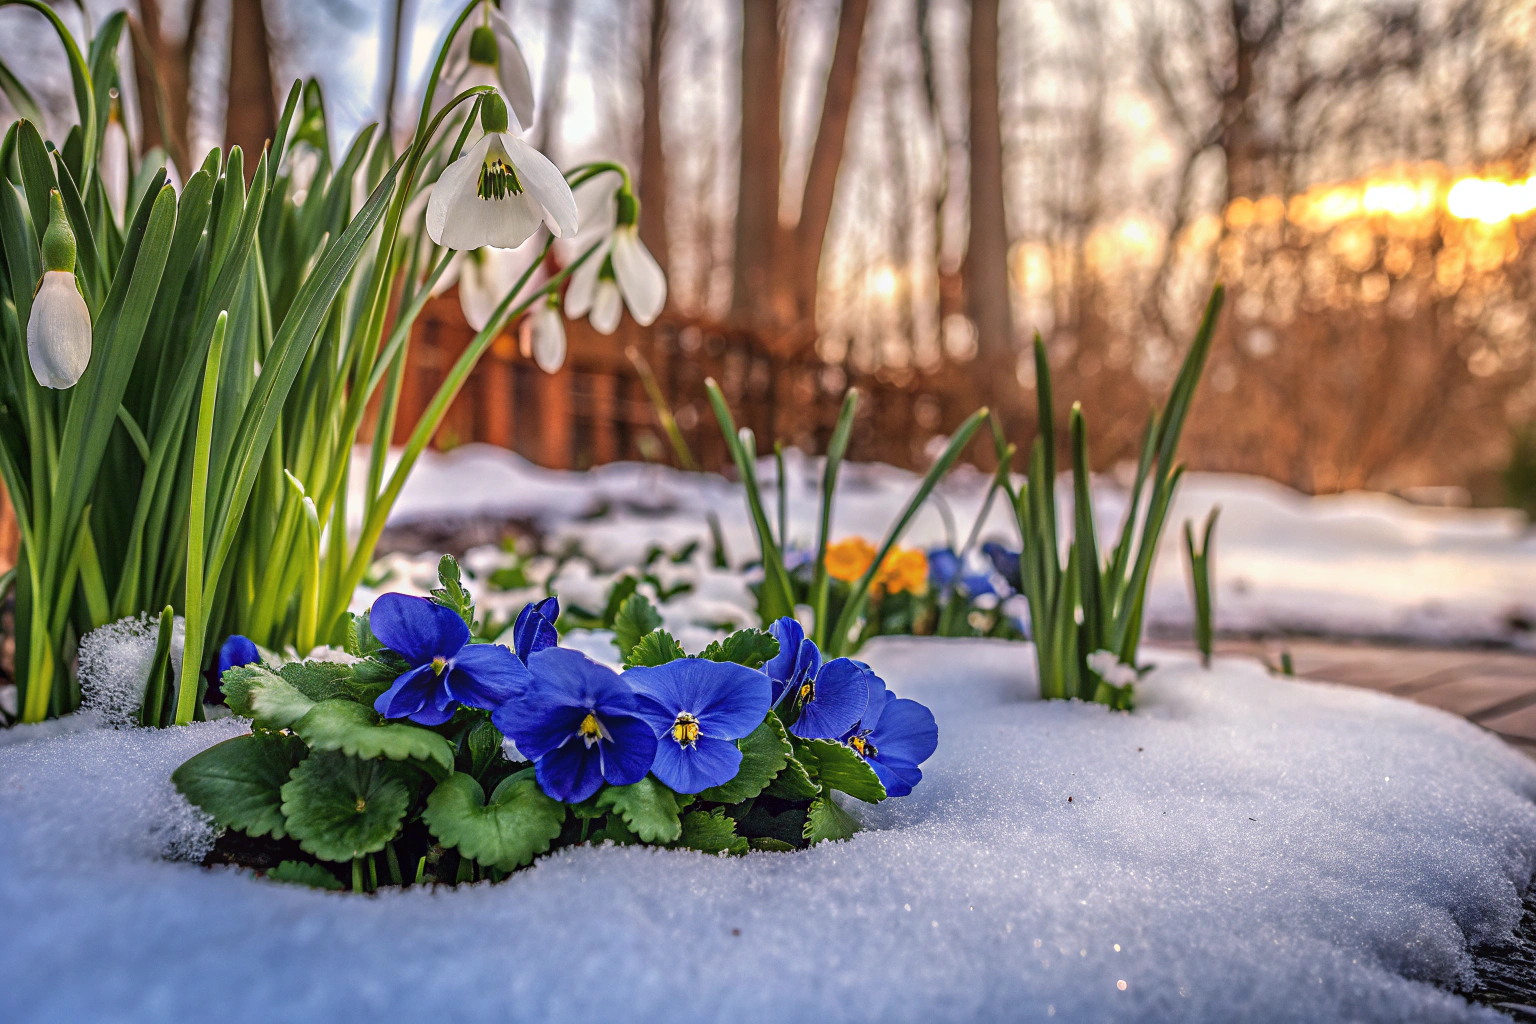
(251, 119)
(557, 55)
(391, 70)
(804, 263)
(757, 199)
(985, 270)
(653, 167)
(162, 73)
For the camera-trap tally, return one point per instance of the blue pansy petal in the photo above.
(729, 700)
(237, 651)
(841, 695)
(898, 777)
(538, 724)
(631, 753)
(976, 584)
(571, 773)
(781, 667)
(906, 732)
(417, 629)
(710, 762)
(875, 705)
(487, 676)
(571, 676)
(1006, 563)
(943, 567)
(535, 628)
(408, 694)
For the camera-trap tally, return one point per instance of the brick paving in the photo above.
(1495, 689)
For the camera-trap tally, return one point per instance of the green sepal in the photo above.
(493, 113)
(355, 730)
(518, 823)
(750, 647)
(302, 872)
(838, 767)
(826, 820)
(360, 639)
(483, 48)
(655, 648)
(451, 594)
(647, 807)
(483, 742)
(764, 753)
(239, 782)
(636, 617)
(58, 239)
(710, 832)
(339, 807)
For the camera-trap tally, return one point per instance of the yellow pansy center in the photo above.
(807, 692)
(686, 729)
(498, 178)
(863, 746)
(591, 729)
(438, 664)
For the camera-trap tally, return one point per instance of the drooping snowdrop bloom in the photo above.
(114, 160)
(622, 272)
(59, 326)
(579, 723)
(697, 708)
(489, 55)
(499, 192)
(895, 736)
(544, 337)
(819, 701)
(1108, 667)
(446, 669)
(486, 275)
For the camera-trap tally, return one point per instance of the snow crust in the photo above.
(115, 661)
(1353, 564)
(1241, 848)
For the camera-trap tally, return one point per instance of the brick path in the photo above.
(1496, 689)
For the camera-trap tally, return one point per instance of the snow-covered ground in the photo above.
(1352, 564)
(1241, 848)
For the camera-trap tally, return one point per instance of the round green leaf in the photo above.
(517, 825)
(840, 767)
(354, 729)
(302, 872)
(276, 703)
(339, 807)
(711, 832)
(764, 753)
(826, 820)
(239, 782)
(649, 808)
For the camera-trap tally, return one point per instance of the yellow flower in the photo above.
(903, 569)
(848, 558)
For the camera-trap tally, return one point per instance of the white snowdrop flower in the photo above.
(545, 336)
(489, 55)
(59, 326)
(114, 161)
(1108, 667)
(498, 192)
(486, 275)
(621, 268)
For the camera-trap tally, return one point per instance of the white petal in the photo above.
(607, 308)
(114, 166)
(545, 183)
(548, 339)
(487, 276)
(578, 297)
(58, 332)
(450, 275)
(640, 277)
(515, 81)
(475, 74)
(462, 174)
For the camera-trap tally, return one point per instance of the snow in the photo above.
(1356, 564)
(1241, 848)
(115, 661)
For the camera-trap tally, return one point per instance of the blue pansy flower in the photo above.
(697, 708)
(945, 568)
(446, 669)
(535, 628)
(1006, 562)
(578, 722)
(895, 735)
(237, 651)
(828, 698)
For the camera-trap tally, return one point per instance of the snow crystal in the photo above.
(1241, 848)
(114, 665)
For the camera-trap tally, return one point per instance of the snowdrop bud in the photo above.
(483, 48)
(59, 326)
(547, 336)
(629, 207)
(493, 111)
